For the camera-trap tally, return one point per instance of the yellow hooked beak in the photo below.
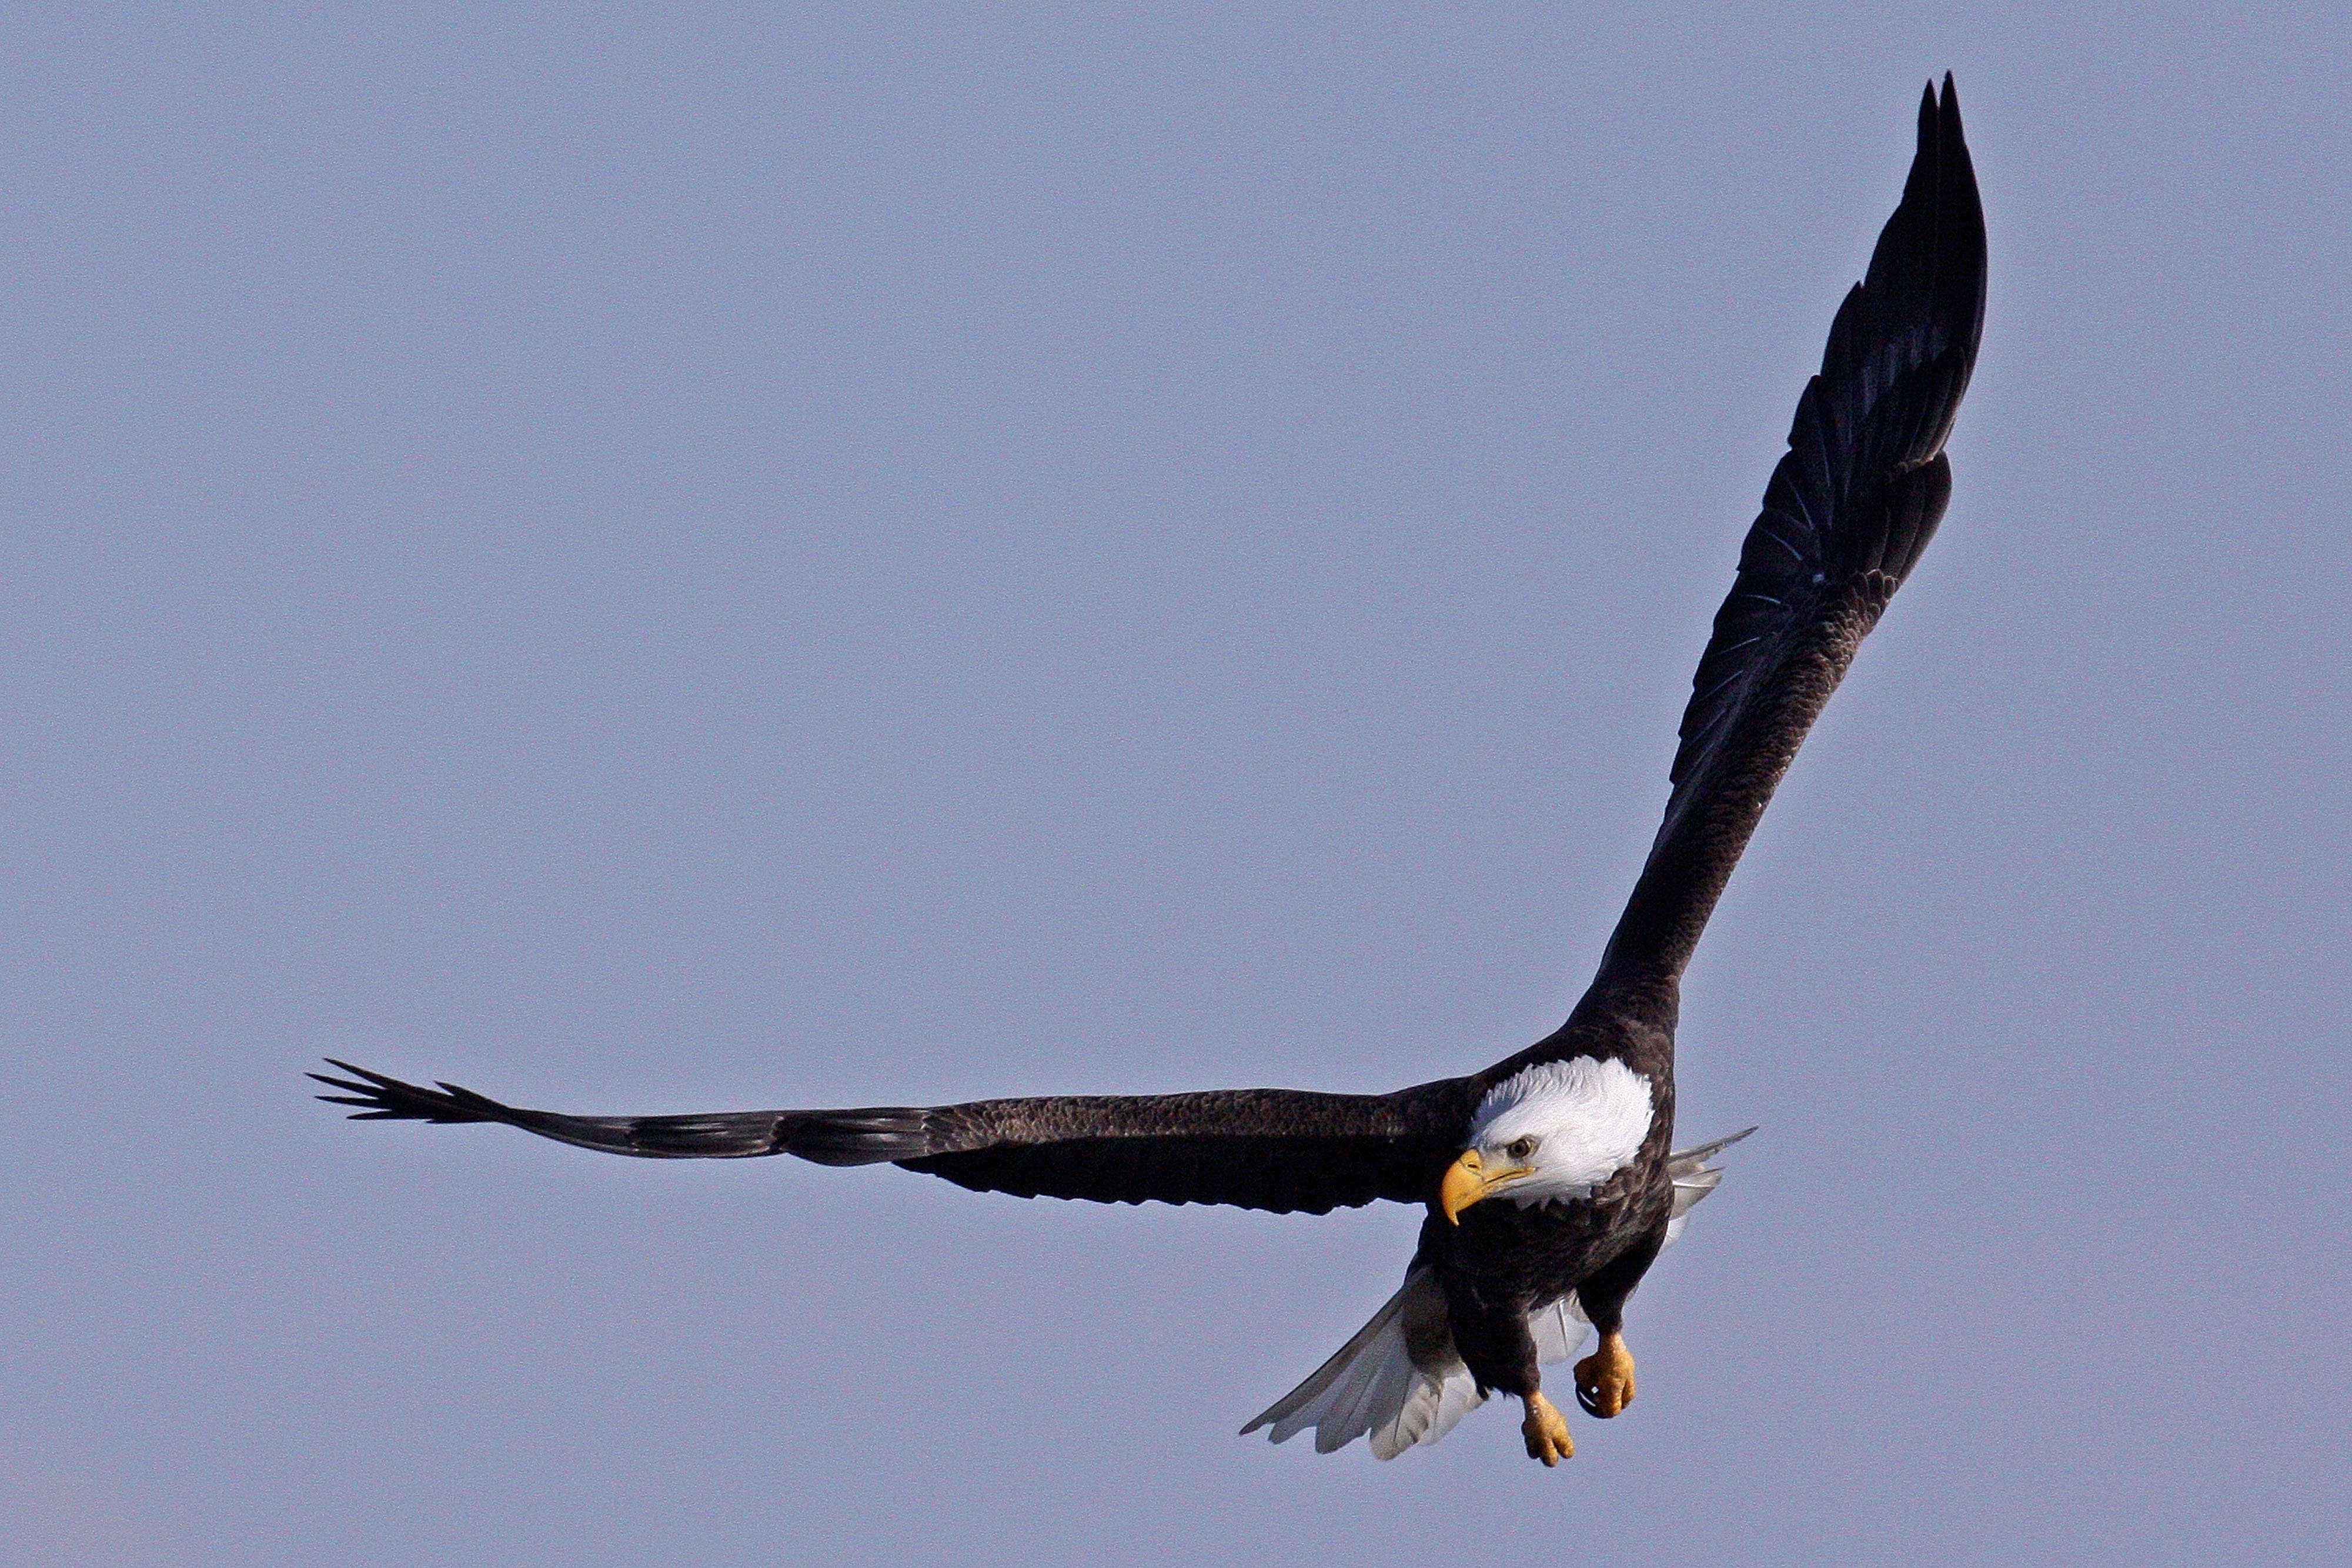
(1467, 1181)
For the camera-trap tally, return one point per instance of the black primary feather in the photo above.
(1278, 1149)
(1846, 514)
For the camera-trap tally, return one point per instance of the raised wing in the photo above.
(1845, 517)
(1277, 1149)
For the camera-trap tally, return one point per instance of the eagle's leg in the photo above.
(1546, 1431)
(1604, 1380)
(1492, 1337)
(1494, 1340)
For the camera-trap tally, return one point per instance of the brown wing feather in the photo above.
(1281, 1150)
(1847, 513)
(1846, 516)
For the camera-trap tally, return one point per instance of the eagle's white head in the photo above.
(1551, 1132)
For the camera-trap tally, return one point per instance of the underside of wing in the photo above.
(1280, 1150)
(1845, 517)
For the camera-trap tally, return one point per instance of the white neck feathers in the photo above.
(1587, 1118)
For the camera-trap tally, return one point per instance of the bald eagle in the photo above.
(1548, 1180)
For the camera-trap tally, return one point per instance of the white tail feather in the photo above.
(1375, 1385)
(1558, 1329)
(1399, 1380)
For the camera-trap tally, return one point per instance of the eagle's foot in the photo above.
(1546, 1432)
(1604, 1380)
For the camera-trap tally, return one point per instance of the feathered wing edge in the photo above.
(1280, 1150)
(1846, 514)
(1398, 1379)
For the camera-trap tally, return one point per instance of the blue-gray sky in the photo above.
(688, 558)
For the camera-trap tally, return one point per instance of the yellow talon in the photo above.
(1546, 1432)
(1604, 1380)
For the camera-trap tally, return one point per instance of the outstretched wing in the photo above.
(1278, 1149)
(1845, 517)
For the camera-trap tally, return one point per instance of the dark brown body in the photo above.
(1501, 1262)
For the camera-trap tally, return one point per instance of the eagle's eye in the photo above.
(1519, 1148)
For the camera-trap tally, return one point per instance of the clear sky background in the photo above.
(694, 557)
